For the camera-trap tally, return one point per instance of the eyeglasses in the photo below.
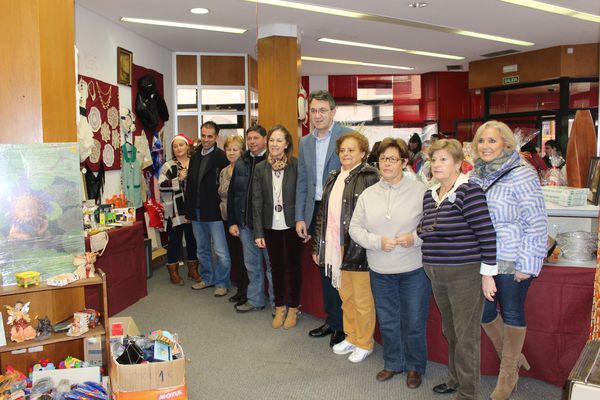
(428, 228)
(391, 159)
(320, 111)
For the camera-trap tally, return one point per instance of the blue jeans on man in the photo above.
(210, 236)
(402, 306)
(511, 295)
(253, 259)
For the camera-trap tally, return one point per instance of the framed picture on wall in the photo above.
(124, 66)
(593, 180)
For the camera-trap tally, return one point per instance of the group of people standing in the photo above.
(382, 241)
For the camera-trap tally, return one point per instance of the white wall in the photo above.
(97, 39)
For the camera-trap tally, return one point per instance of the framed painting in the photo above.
(124, 66)
(593, 180)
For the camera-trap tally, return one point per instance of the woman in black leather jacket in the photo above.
(344, 260)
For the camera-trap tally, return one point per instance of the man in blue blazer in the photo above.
(316, 159)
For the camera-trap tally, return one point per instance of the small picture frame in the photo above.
(593, 180)
(124, 66)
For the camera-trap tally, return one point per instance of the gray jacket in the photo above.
(262, 196)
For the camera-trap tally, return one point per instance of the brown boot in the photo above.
(495, 331)
(291, 319)
(279, 317)
(174, 274)
(514, 337)
(193, 270)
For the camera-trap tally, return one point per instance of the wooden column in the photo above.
(37, 83)
(278, 74)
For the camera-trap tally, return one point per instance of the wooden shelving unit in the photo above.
(59, 304)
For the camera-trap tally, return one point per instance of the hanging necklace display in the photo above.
(104, 97)
(92, 91)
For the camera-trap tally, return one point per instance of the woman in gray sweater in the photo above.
(384, 223)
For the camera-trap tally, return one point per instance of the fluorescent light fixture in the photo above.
(309, 7)
(183, 25)
(551, 8)
(378, 47)
(199, 10)
(388, 20)
(350, 62)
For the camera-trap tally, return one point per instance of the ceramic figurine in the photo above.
(18, 318)
(44, 329)
(79, 326)
(85, 265)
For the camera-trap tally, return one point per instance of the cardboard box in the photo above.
(92, 350)
(150, 381)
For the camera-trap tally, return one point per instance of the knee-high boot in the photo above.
(514, 337)
(174, 274)
(495, 331)
(193, 270)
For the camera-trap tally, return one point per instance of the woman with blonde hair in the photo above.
(343, 259)
(518, 211)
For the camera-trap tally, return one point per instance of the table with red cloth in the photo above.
(124, 262)
(558, 310)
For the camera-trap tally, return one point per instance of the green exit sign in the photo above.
(509, 80)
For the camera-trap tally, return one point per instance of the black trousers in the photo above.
(236, 252)
(285, 253)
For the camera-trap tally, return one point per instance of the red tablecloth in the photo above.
(558, 310)
(124, 262)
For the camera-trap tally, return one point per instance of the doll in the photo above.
(18, 317)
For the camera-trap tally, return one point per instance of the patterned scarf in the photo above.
(484, 168)
(277, 164)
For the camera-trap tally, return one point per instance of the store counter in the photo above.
(558, 311)
(124, 263)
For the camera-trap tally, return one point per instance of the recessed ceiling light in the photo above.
(551, 8)
(388, 20)
(174, 24)
(418, 4)
(378, 47)
(351, 62)
(199, 10)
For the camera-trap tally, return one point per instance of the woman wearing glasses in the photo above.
(384, 223)
(343, 259)
(518, 210)
(459, 252)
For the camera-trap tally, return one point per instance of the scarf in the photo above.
(277, 164)
(333, 241)
(484, 168)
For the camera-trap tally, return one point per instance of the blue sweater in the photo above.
(459, 231)
(518, 212)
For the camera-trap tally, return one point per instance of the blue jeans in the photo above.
(402, 305)
(511, 297)
(210, 235)
(253, 259)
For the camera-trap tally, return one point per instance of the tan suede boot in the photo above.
(174, 274)
(514, 337)
(291, 319)
(193, 270)
(279, 317)
(495, 331)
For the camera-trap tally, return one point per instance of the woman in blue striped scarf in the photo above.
(518, 211)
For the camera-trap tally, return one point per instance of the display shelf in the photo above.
(587, 211)
(14, 289)
(55, 338)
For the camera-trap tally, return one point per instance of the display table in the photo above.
(558, 311)
(124, 263)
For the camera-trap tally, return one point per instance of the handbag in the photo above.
(98, 242)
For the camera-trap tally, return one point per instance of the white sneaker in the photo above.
(344, 347)
(359, 355)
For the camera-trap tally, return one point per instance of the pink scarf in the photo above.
(333, 246)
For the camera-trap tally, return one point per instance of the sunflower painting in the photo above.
(40, 209)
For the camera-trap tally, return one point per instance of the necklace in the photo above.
(277, 189)
(107, 96)
(92, 91)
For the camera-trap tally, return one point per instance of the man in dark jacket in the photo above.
(202, 208)
(239, 218)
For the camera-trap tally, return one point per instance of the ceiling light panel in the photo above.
(387, 48)
(551, 8)
(174, 24)
(351, 62)
(199, 10)
(388, 20)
